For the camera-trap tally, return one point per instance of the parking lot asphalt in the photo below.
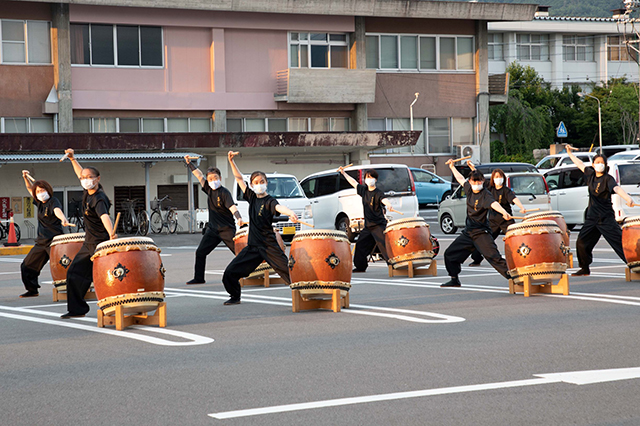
(406, 352)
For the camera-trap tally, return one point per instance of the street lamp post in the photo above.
(411, 111)
(599, 116)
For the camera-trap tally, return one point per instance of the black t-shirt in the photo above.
(478, 205)
(600, 191)
(261, 213)
(372, 206)
(48, 223)
(94, 206)
(219, 201)
(504, 196)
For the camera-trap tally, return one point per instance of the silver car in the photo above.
(530, 188)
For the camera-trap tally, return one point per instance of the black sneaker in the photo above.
(70, 315)
(475, 263)
(30, 294)
(194, 281)
(233, 301)
(583, 272)
(356, 271)
(453, 282)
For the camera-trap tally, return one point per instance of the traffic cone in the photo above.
(12, 241)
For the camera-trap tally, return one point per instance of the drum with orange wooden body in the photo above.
(241, 240)
(128, 272)
(536, 249)
(408, 240)
(554, 216)
(631, 242)
(320, 260)
(63, 250)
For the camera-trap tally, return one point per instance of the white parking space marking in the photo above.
(9, 273)
(575, 378)
(191, 339)
(10, 260)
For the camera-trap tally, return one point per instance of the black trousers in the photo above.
(31, 266)
(466, 243)
(496, 229)
(590, 233)
(248, 260)
(79, 279)
(369, 237)
(209, 241)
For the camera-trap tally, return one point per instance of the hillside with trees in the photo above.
(600, 8)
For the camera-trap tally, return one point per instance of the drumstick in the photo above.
(64, 156)
(115, 225)
(30, 178)
(72, 224)
(348, 165)
(532, 210)
(193, 158)
(517, 217)
(461, 159)
(305, 223)
(391, 209)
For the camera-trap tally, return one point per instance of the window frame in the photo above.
(115, 48)
(491, 44)
(308, 42)
(575, 44)
(621, 48)
(28, 124)
(529, 44)
(25, 33)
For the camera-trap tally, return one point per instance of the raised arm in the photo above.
(76, 166)
(27, 181)
(461, 180)
(196, 172)
(622, 193)
(497, 207)
(349, 179)
(236, 171)
(578, 162)
(287, 212)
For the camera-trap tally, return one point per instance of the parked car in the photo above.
(623, 156)
(430, 188)
(610, 150)
(530, 188)
(563, 160)
(336, 205)
(627, 175)
(487, 168)
(284, 188)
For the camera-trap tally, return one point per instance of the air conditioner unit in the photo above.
(469, 150)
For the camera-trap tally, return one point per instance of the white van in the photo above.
(284, 188)
(336, 205)
(563, 160)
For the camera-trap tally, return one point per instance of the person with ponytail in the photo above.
(51, 219)
(600, 219)
(221, 226)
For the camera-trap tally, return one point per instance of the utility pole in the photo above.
(626, 19)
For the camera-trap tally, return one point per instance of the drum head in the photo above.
(532, 227)
(539, 215)
(320, 234)
(408, 220)
(631, 221)
(77, 237)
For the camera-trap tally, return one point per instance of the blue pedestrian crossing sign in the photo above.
(562, 131)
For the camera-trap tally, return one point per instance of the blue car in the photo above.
(430, 188)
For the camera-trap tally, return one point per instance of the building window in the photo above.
(405, 52)
(303, 124)
(495, 50)
(129, 125)
(318, 50)
(399, 124)
(340, 124)
(462, 131)
(254, 125)
(144, 125)
(134, 46)
(439, 136)
(25, 42)
(533, 47)
(27, 125)
(277, 124)
(298, 124)
(234, 125)
(104, 125)
(617, 49)
(577, 48)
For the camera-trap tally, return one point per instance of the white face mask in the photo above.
(498, 181)
(477, 187)
(599, 167)
(43, 197)
(215, 184)
(87, 183)
(370, 181)
(260, 188)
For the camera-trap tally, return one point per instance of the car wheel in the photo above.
(343, 225)
(446, 224)
(446, 195)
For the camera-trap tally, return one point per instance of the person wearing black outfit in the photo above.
(51, 219)
(600, 218)
(221, 226)
(505, 197)
(262, 244)
(477, 232)
(373, 200)
(98, 228)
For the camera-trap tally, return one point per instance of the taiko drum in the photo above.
(554, 216)
(63, 250)
(242, 239)
(408, 240)
(536, 249)
(320, 260)
(128, 272)
(631, 242)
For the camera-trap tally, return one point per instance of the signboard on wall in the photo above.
(16, 205)
(28, 207)
(5, 204)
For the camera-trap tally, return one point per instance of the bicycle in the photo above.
(4, 230)
(134, 222)
(75, 216)
(170, 219)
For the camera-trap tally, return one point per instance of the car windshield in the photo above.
(394, 179)
(528, 184)
(629, 174)
(621, 156)
(549, 163)
(280, 187)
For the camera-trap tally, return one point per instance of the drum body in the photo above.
(63, 250)
(631, 242)
(557, 218)
(535, 249)
(320, 260)
(242, 239)
(408, 240)
(130, 273)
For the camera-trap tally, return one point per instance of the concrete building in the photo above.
(296, 86)
(564, 50)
